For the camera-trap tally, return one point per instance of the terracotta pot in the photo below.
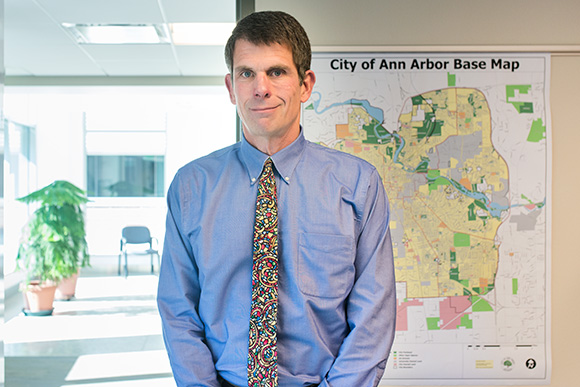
(66, 288)
(39, 298)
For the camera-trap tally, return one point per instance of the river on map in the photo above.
(494, 209)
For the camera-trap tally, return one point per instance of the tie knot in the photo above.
(267, 169)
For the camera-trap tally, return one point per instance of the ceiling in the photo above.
(37, 45)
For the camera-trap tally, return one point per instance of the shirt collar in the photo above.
(285, 160)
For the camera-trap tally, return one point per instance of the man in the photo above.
(329, 246)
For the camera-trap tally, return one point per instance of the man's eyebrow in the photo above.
(239, 69)
(279, 67)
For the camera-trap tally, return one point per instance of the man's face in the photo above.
(265, 86)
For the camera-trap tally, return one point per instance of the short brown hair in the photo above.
(270, 27)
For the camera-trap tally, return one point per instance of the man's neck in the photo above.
(272, 145)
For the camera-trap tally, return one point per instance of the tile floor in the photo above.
(109, 335)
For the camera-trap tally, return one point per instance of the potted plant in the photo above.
(53, 245)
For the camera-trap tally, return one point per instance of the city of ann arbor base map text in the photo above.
(462, 143)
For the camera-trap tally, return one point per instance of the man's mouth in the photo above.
(263, 109)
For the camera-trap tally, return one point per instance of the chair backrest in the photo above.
(136, 234)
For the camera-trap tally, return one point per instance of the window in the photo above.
(125, 176)
(20, 143)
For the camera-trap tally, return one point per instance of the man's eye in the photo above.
(277, 73)
(246, 74)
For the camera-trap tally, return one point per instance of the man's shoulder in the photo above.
(211, 161)
(207, 168)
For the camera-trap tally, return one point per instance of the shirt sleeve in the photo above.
(178, 301)
(371, 305)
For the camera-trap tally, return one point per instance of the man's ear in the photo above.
(307, 85)
(230, 87)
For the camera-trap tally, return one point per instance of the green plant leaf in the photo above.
(53, 244)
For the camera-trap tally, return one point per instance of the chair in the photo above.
(137, 235)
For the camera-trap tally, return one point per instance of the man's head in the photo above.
(269, 79)
(271, 27)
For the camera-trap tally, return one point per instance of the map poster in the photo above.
(462, 143)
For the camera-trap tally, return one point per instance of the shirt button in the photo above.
(287, 178)
(253, 179)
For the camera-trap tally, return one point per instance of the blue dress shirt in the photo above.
(336, 317)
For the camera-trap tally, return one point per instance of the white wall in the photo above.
(434, 22)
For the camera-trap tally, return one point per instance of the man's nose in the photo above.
(262, 86)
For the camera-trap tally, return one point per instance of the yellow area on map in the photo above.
(439, 170)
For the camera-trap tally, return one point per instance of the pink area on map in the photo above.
(530, 206)
(349, 144)
(402, 317)
(451, 309)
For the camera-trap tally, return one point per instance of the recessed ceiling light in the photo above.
(118, 33)
(201, 34)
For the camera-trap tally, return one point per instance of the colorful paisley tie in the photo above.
(262, 355)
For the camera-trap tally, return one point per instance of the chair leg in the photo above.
(126, 266)
(119, 265)
(152, 268)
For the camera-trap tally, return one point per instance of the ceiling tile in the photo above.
(18, 12)
(47, 60)
(129, 52)
(137, 59)
(103, 11)
(184, 11)
(160, 68)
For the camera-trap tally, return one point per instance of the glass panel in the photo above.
(21, 157)
(125, 176)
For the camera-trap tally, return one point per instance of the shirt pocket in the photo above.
(325, 265)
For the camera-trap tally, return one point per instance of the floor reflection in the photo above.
(109, 335)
